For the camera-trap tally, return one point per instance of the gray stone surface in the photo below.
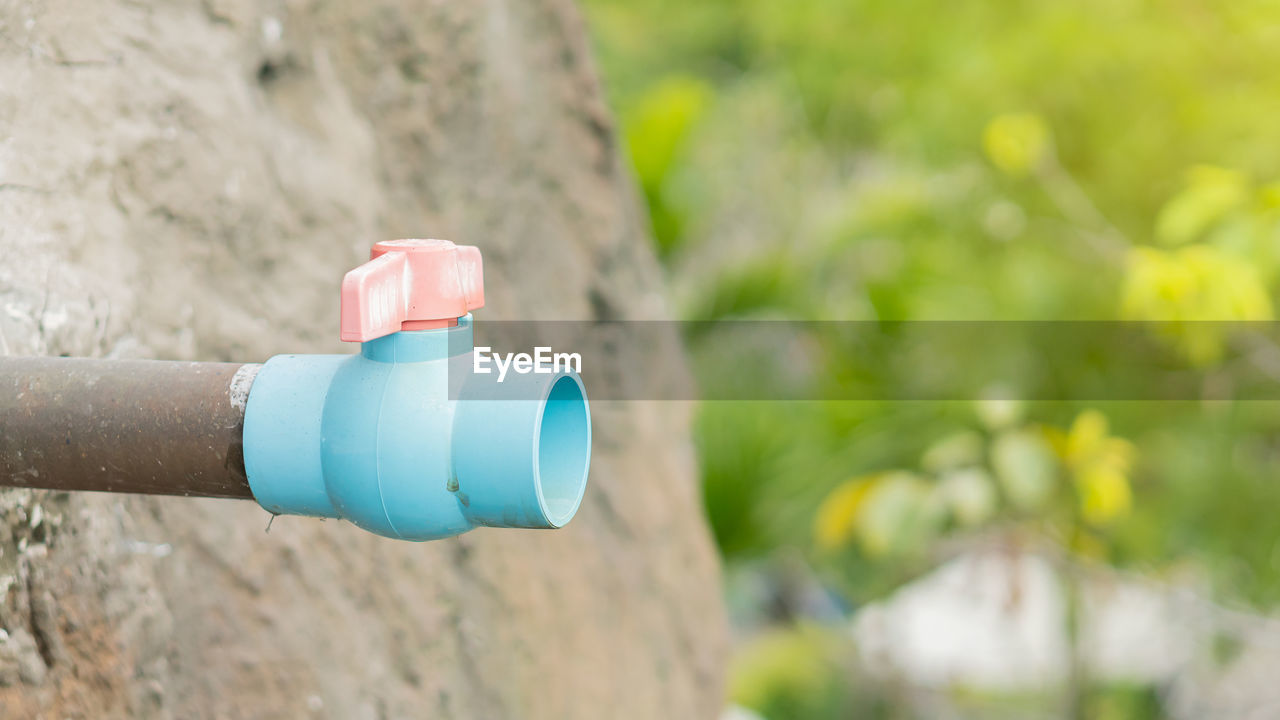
(190, 180)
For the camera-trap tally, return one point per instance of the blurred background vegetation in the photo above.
(913, 160)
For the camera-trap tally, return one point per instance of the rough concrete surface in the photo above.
(190, 180)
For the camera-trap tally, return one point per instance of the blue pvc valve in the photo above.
(404, 440)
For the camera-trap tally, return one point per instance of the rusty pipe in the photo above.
(133, 426)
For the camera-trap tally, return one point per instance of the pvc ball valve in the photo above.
(403, 439)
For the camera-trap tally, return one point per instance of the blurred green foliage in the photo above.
(792, 673)
(909, 160)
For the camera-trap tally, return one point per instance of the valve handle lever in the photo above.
(411, 285)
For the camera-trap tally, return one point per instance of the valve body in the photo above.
(404, 441)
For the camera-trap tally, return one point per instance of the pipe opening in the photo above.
(564, 450)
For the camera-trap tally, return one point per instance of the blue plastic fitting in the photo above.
(404, 440)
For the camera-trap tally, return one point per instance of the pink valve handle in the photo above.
(411, 285)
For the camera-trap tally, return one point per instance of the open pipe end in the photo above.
(522, 450)
(563, 451)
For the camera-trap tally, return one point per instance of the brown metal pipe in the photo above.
(134, 426)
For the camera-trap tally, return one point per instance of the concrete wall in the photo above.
(189, 180)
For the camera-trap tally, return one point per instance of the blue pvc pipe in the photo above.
(405, 441)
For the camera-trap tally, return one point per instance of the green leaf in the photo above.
(899, 516)
(970, 494)
(789, 672)
(953, 451)
(1016, 143)
(1210, 194)
(1025, 465)
(659, 123)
